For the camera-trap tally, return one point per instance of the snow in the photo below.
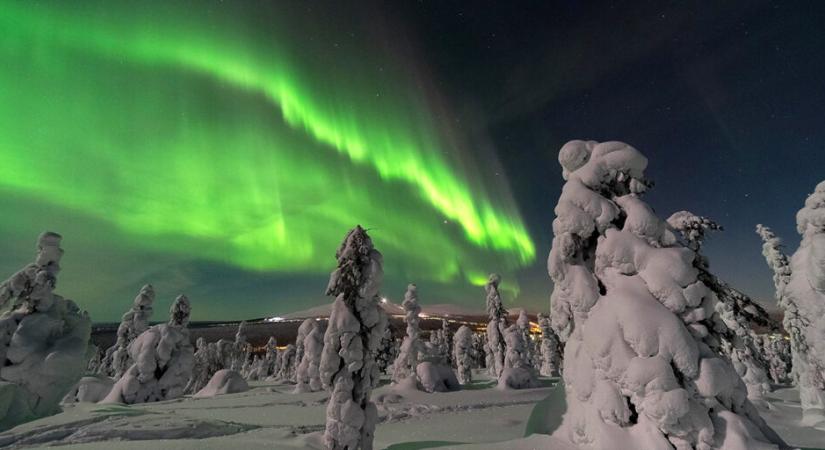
(223, 382)
(270, 415)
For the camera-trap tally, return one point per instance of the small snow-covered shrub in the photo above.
(90, 389)
(550, 353)
(434, 377)
(223, 382)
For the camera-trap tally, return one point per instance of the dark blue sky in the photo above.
(726, 101)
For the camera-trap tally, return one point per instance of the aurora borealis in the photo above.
(208, 135)
(223, 148)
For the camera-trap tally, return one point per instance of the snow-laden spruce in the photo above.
(518, 372)
(356, 326)
(307, 374)
(270, 358)
(163, 360)
(204, 366)
(132, 323)
(496, 326)
(641, 369)
(463, 354)
(523, 323)
(550, 354)
(777, 353)
(241, 349)
(43, 339)
(287, 366)
(408, 354)
(800, 290)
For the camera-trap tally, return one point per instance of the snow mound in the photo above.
(224, 381)
(517, 378)
(90, 389)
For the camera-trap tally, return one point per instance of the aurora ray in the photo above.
(200, 135)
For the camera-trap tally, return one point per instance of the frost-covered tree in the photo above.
(163, 359)
(463, 354)
(287, 366)
(387, 352)
(496, 326)
(640, 326)
(202, 367)
(270, 357)
(240, 349)
(408, 354)
(800, 290)
(43, 339)
(518, 372)
(307, 375)
(478, 350)
(356, 326)
(550, 349)
(523, 324)
(132, 323)
(303, 330)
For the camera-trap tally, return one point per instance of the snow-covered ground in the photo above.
(270, 416)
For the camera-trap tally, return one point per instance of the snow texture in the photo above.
(223, 382)
(411, 346)
(496, 326)
(463, 354)
(356, 327)
(163, 361)
(800, 285)
(43, 338)
(639, 325)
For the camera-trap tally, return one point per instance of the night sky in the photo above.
(223, 149)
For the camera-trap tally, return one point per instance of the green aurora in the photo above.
(175, 134)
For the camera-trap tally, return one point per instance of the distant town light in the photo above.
(383, 299)
(274, 319)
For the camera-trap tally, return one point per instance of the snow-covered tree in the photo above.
(463, 354)
(777, 352)
(478, 354)
(287, 366)
(241, 349)
(43, 339)
(163, 359)
(308, 376)
(408, 354)
(550, 354)
(356, 326)
(800, 288)
(132, 323)
(641, 369)
(523, 324)
(270, 357)
(387, 352)
(518, 372)
(496, 326)
(202, 367)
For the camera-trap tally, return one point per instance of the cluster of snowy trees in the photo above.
(800, 292)
(642, 320)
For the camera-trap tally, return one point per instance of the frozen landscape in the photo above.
(412, 225)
